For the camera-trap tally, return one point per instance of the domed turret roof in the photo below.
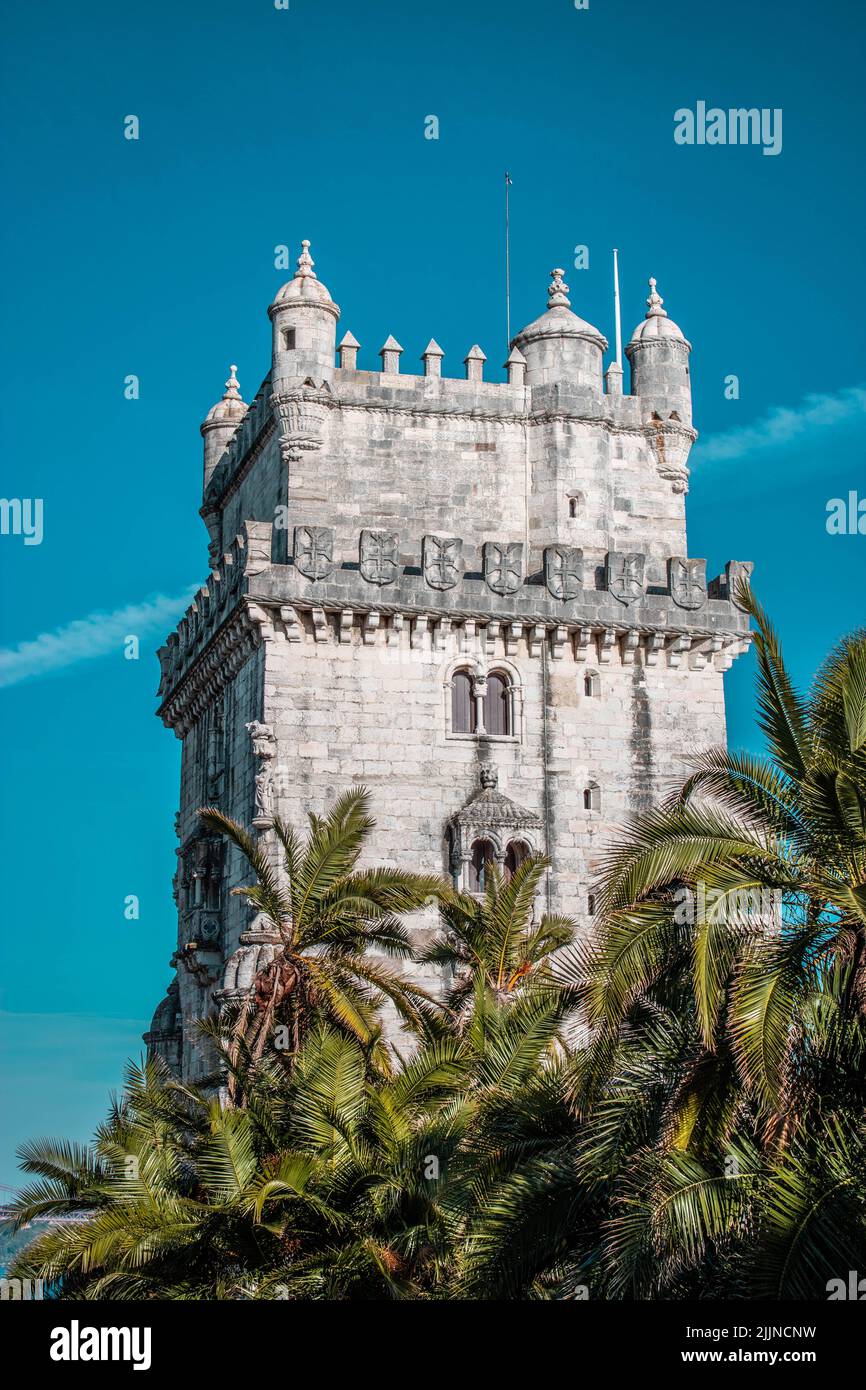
(230, 409)
(656, 323)
(559, 321)
(305, 287)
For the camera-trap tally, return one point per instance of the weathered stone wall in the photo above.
(480, 460)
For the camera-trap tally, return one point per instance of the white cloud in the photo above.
(781, 425)
(86, 638)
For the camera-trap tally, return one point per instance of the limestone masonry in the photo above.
(473, 597)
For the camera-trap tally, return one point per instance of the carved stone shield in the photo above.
(625, 575)
(314, 551)
(688, 581)
(442, 560)
(380, 556)
(563, 570)
(503, 566)
(735, 571)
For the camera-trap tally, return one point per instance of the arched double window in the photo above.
(482, 855)
(495, 704)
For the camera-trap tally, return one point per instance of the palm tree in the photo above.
(725, 1089)
(493, 936)
(779, 846)
(323, 1186)
(328, 915)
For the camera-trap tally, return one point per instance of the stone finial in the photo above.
(432, 358)
(474, 364)
(305, 263)
(655, 302)
(558, 291)
(613, 379)
(348, 349)
(489, 776)
(390, 355)
(233, 386)
(516, 367)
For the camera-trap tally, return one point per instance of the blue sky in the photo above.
(156, 257)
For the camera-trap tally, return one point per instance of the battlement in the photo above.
(430, 587)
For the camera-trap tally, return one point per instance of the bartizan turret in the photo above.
(220, 424)
(304, 319)
(659, 357)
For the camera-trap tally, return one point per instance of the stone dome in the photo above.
(230, 410)
(559, 321)
(656, 324)
(560, 347)
(305, 287)
(166, 1018)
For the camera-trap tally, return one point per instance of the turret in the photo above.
(304, 319)
(559, 346)
(220, 424)
(659, 357)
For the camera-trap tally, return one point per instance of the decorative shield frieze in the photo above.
(688, 581)
(380, 556)
(503, 566)
(737, 570)
(563, 570)
(442, 560)
(625, 575)
(314, 551)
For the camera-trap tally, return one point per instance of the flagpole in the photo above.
(507, 268)
(616, 310)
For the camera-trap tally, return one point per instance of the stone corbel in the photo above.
(370, 627)
(676, 649)
(346, 620)
(292, 623)
(582, 640)
(394, 630)
(652, 645)
(441, 633)
(513, 633)
(629, 646)
(320, 625)
(491, 635)
(261, 619)
(606, 645)
(702, 653)
(535, 637)
(420, 627)
(558, 639)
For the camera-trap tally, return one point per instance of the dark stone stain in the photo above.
(641, 743)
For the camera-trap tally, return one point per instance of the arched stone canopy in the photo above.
(493, 817)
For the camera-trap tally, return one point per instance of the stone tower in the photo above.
(473, 597)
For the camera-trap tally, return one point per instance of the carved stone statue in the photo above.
(264, 749)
